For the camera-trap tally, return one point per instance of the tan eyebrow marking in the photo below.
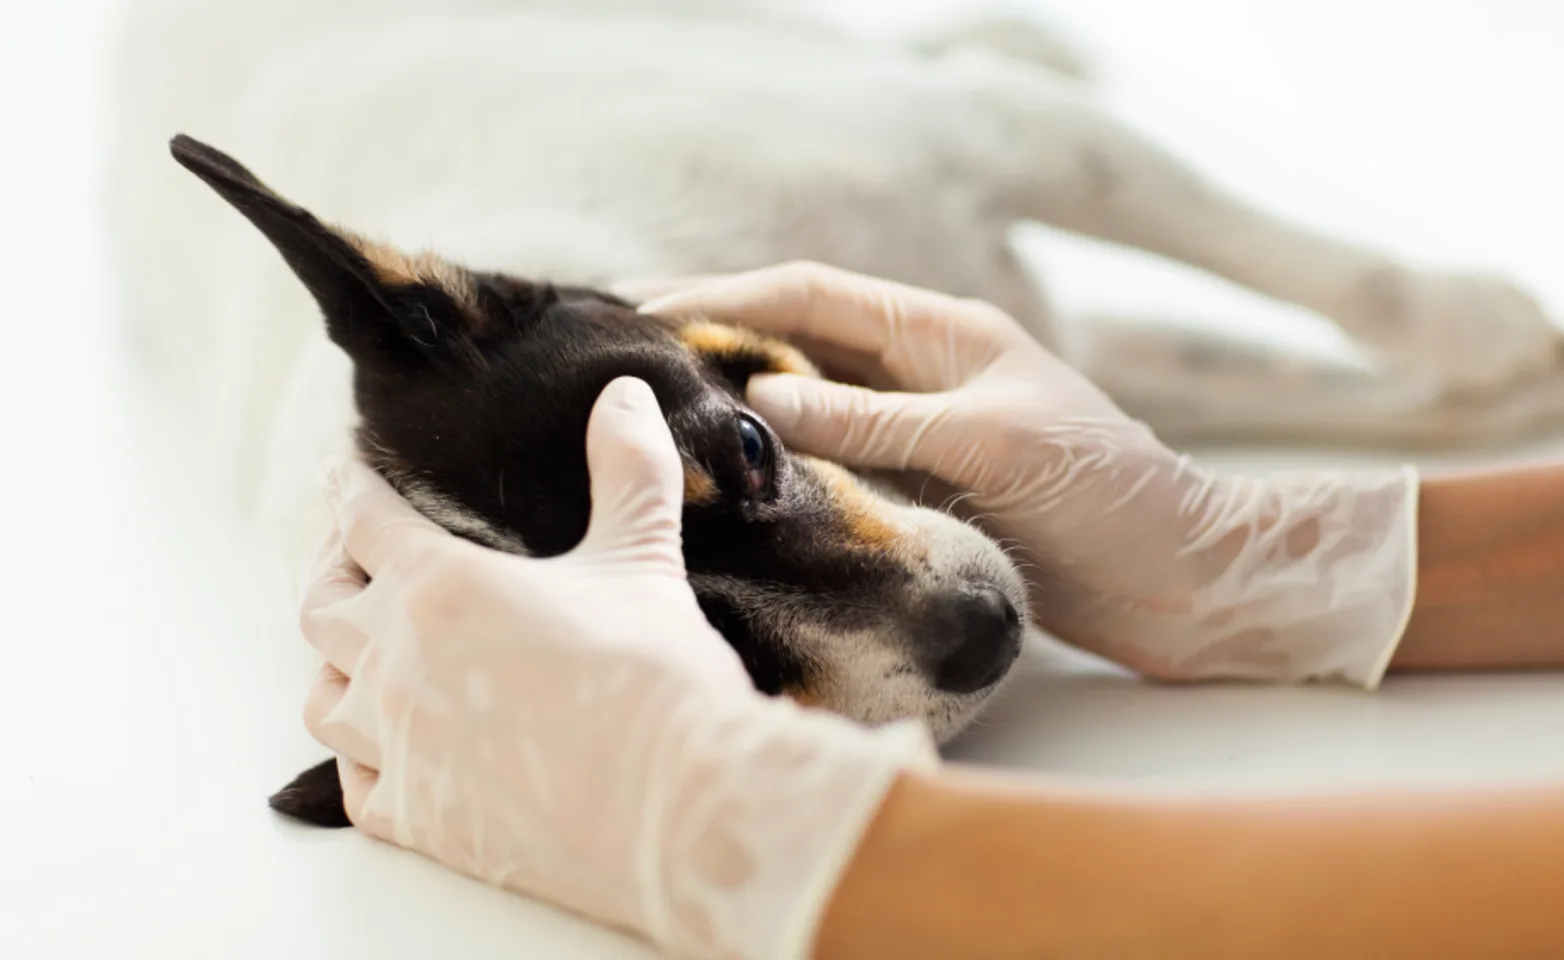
(720, 342)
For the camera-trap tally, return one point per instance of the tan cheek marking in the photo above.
(699, 487)
(805, 697)
(717, 340)
(396, 268)
(866, 516)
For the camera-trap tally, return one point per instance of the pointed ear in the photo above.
(380, 305)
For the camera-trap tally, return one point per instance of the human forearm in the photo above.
(1490, 592)
(977, 866)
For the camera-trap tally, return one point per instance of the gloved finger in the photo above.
(376, 523)
(357, 782)
(838, 363)
(322, 719)
(903, 326)
(637, 477)
(325, 555)
(326, 599)
(852, 425)
(331, 576)
(640, 291)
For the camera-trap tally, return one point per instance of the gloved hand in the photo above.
(1135, 553)
(572, 728)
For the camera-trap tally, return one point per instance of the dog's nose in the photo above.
(972, 637)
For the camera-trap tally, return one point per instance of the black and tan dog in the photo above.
(473, 391)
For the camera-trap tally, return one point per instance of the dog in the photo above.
(473, 391)
(584, 143)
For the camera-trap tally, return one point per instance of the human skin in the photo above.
(968, 864)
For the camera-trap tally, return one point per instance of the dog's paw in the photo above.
(1467, 334)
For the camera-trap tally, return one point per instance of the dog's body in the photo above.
(587, 142)
(596, 141)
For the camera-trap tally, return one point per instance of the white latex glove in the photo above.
(572, 728)
(1135, 553)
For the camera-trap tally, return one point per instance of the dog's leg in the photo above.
(1005, 34)
(1055, 155)
(1201, 386)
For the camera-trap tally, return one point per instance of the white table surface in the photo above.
(150, 695)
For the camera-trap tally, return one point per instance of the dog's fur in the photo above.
(587, 142)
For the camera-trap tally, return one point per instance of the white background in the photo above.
(149, 696)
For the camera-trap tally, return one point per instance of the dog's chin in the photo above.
(946, 715)
(951, 714)
(908, 696)
(946, 721)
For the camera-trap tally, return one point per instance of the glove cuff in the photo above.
(768, 817)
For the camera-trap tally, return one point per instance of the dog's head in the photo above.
(474, 391)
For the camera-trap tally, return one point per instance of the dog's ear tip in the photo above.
(194, 155)
(185, 147)
(211, 164)
(313, 797)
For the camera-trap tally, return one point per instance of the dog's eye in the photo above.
(758, 457)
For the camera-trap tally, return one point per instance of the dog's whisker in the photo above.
(956, 499)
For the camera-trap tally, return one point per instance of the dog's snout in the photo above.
(971, 638)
